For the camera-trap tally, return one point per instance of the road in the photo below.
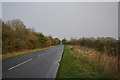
(40, 64)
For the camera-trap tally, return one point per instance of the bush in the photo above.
(107, 46)
(16, 37)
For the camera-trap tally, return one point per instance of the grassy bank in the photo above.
(77, 65)
(8, 55)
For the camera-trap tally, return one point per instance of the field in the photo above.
(76, 64)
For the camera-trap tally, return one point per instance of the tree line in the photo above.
(107, 45)
(0, 36)
(16, 37)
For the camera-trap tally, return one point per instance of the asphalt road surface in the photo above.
(40, 64)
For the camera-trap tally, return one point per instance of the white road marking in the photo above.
(40, 55)
(19, 64)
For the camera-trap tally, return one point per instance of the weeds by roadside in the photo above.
(78, 64)
(106, 62)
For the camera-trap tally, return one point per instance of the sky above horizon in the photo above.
(0, 10)
(66, 19)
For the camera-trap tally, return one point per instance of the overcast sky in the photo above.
(65, 19)
(0, 10)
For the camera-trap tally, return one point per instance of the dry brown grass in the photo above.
(105, 62)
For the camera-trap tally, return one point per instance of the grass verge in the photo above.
(8, 55)
(76, 65)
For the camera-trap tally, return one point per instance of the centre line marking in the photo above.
(19, 64)
(40, 55)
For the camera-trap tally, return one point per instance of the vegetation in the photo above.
(105, 45)
(64, 41)
(0, 39)
(76, 64)
(16, 37)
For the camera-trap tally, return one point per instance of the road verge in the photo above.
(77, 65)
(13, 54)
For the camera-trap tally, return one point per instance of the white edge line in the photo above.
(19, 64)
